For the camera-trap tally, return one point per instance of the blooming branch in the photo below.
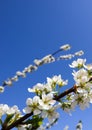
(48, 97)
(39, 62)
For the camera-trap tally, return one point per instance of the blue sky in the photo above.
(33, 28)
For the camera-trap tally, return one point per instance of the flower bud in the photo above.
(65, 47)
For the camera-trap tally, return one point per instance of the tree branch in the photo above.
(19, 121)
(73, 89)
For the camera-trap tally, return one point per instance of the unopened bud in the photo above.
(18, 73)
(66, 56)
(9, 83)
(37, 62)
(79, 53)
(47, 59)
(65, 47)
(1, 89)
(15, 78)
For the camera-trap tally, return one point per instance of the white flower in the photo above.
(13, 110)
(69, 56)
(1, 89)
(32, 105)
(18, 73)
(56, 80)
(9, 82)
(82, 100)
(47, 59)
(31, 68)
(47, 88)
(79, 53)
(37, 88)
(15, 78)
(3, 109)
(65, 47)
(51, 114)
(81, 77)
(88, 67)
(52, 80)
(81, 90)
(47, 101)
(78, 64)
(37, 62)
(89, 84)
(66, 106)
(73, 104)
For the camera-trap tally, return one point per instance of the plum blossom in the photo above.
(13, 110)
(9, 82)
(51, 114)
(1, 89)
(32, 106)
(56, 80)
(18, 73)
(47, 59)
(46, 101)
(65, 47)
(48, 87)
(66, 106)
(5, 109)
(79, 53)
(39, 88)
(81, 77)
(15, 78)
(78, 64)
(69, 56)
(88, 67)
(82, 100)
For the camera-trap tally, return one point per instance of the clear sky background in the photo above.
(34, 28)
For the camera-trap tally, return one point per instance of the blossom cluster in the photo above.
(5, 109)
(83, 81)
(12, 114)
(82, 76)
(43, 103)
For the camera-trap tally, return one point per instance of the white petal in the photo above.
(37, 111)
